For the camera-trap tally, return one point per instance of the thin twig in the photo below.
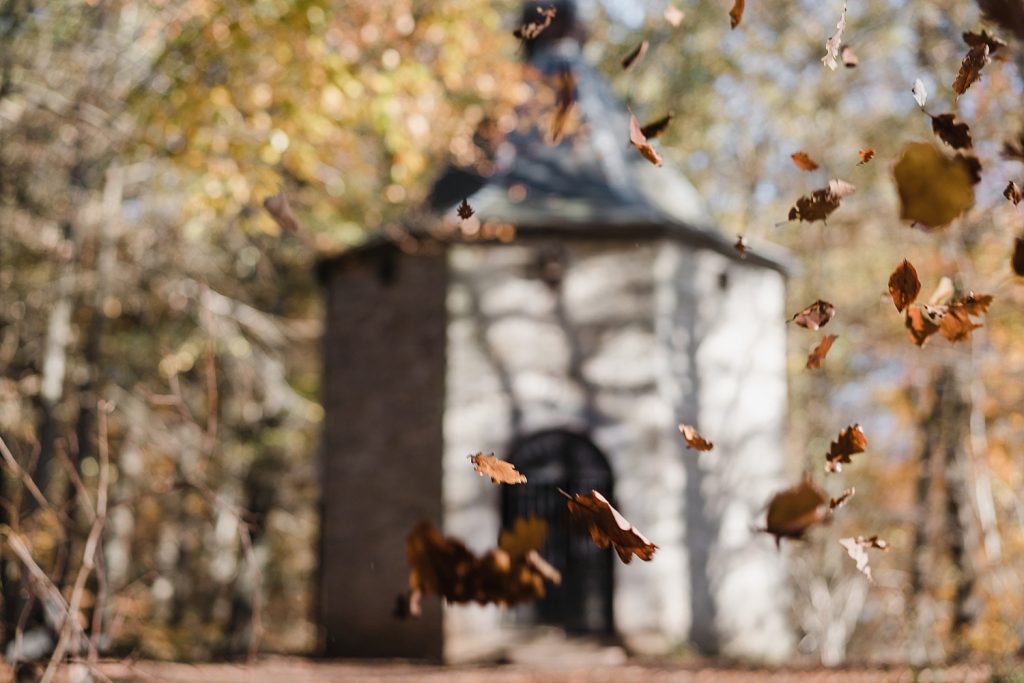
(26, 478)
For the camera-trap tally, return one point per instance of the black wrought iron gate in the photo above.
(561, 460)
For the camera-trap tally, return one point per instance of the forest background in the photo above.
(159, 331)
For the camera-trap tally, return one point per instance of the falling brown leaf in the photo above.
(922, 323)
(850, 441)
(1017, 260)
(526, 534)
(736, 13)
(1009, 14)
(816, 315)
(842, 499)
(956, 134)
(793, 511)
(465, 210)
(634, 55)
(984, 38)
(821, 203)
(1013, 193)
(952, 319)
(848, 57)
(858, 551)
(904, 285)
(832, 44)
(820, 351)
(866, 155)
(695, 440)
(530, 30)
(741, 246)
(499, 471)
(655, 128)
(920, 93)
(933, 188)
(607, 527)
(674, 16)
(565, 98)
(970, 68)
(281, 211)
(803, 161)
(639, 141)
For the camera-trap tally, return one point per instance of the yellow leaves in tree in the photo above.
(933, 188)
(607, 527)
(499, 471)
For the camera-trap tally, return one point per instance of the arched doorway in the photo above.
(555, 460)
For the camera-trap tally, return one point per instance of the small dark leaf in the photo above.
(850, 441)
(816, 315)
(904, 285)
(1013, 193)
(1017, 261)
(656, 128)
(464, 210)
(956, 134)
(634, 55)
(970, 68)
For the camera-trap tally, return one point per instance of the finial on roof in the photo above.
(563, 25)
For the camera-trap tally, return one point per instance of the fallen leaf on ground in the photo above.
(970, 68)
(803, 161)
(816, 315)
(1013, 193)
(858, 551)
(842, 499)
(821, 203)
(820, 351)
(866, 155)
(695, 440)
(499, 471)
(850, 441)
(793, 511)
(281, 211)
(639, 141)
(634, 55)
(933, 188)
(465, 210)
(655, 128)
(956, 134)
(607, 527)
(832, 44)
(904, 285)
(736, 13)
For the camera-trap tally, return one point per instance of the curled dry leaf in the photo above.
(952, 319)
(970, 68)
(858, 551)
(933, 188)
(607, 527)
(1017, 260)
(920, 93)
(1013, 193)
(842, 499)
(956, 134)
(674, 16)
(816, 315)
(655, 128)
(695, 440)
(1008, 14)
(984, 38)
(465, 210)
(499, 471)
(921, 323)
(821, 203)
(848, 57)
(904, 285)
(820, 351)
(741, 246)
(850, 441)
(866, 155)
(793, 511)
(639, 141)
(803, 161)
(530, 30)
(281, 211)
(832, 44)
(634, 55)
(736, 13)
(565, 98)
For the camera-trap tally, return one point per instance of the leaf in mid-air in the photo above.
(904, 285)
(609, 528)
(850, 441)
(499, 471)
(695, 440)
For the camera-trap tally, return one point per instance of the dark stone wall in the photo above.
(384, 375)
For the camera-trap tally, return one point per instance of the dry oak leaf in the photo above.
(674, 16)
(530, 30)
(956, 324)
(1017, 260)
(858, 551)
(842, 499)
(820, 351)
(607, 527)
(499, 471)
(736, 13)
(821, 203)
(933, 188)
(803, 162)
(523, 543)
(793, 511)
(281, 211)
(920, 93)
(922, 322)
(1009, 14)
(904, 285)
(655, 128)
(465, 210)
(984, 38)
(741, 246)
(634, 55)
(848, 57)
(695, 440)
(815, 316)
(970, 68)
(956, 134)
(639, 141)
(1013, 193)
(866, 155)
(850, 441)
(832, 44)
